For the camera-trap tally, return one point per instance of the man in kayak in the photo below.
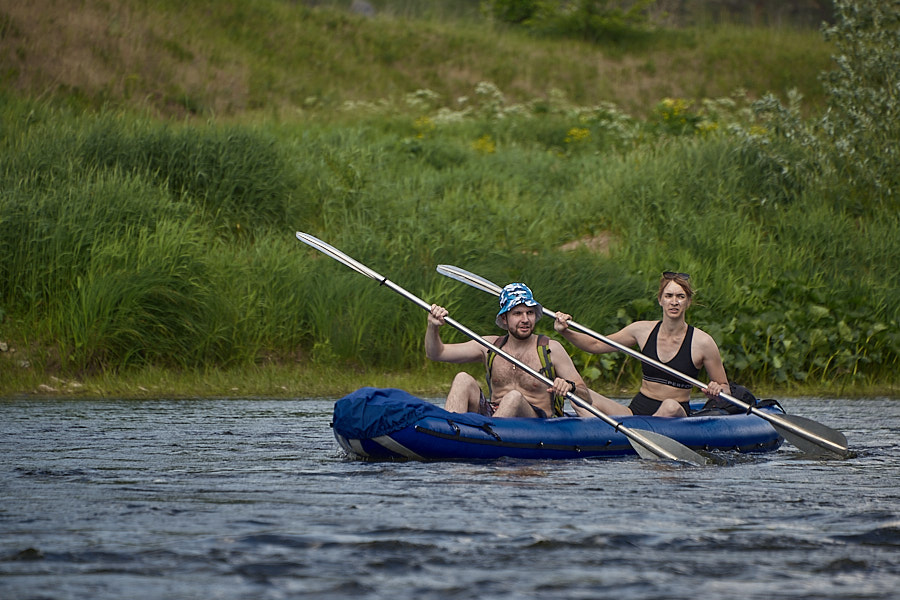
(512, 391)
(670, 341)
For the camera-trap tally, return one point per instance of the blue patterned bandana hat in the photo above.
(513, 295)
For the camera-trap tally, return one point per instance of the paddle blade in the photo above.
(677, 450)
(470, 278)
(337, 255)
(816, 439)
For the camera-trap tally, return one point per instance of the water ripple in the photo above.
(235, 499)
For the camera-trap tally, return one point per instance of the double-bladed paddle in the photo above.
(807, 435)
(647, 444)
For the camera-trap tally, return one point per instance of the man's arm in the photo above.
(436, 349)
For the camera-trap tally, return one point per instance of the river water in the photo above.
(252, 498)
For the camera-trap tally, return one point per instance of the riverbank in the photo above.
(315, 381)
(133, 236)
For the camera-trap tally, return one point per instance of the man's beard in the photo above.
(520, 336)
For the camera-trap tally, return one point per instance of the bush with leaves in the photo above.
(779, 153)
(854, 143)
(863, 118)
(514, 12)
(590, 20)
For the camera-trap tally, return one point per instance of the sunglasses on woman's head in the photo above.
(674, 275)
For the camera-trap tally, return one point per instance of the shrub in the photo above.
(589, 20)
(511, 11)
(863, 118)
(855, 142)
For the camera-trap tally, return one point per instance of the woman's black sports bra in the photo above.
(681, 362)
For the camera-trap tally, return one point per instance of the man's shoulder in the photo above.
(552, 344)
(493, 340)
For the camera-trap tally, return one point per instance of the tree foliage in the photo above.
(863, 118)
(855, 142)
(590, 20)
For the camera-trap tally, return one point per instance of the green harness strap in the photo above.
(547, 369)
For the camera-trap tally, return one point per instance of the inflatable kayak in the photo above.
(391, 424)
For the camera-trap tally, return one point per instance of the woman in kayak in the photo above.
(670, 341)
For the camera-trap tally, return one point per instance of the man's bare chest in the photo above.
(506, 375)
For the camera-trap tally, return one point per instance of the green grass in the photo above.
(304, 380)
(143, 255)
(127, 254)
(271, 58)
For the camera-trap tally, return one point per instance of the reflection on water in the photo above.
(252, 498)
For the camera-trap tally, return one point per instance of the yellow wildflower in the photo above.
(578, 134)
(485, 144)
(423, 125)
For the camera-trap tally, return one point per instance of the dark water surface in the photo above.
(250, 498)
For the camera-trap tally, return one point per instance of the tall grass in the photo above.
(144, 244)
(132, 242)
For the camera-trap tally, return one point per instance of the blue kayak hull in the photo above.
(390, 424)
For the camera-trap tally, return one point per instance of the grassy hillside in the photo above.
(228, 58)
(157, 157)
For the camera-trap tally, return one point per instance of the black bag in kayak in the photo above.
(722, 406)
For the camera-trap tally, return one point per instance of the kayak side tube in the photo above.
(390, 424)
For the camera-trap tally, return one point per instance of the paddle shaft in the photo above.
(799, 436)
(633, 436)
